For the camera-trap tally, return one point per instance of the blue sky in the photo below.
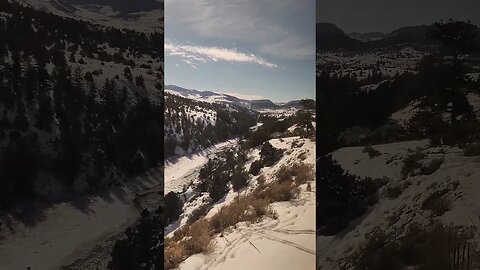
(249, 48)
(388, 15)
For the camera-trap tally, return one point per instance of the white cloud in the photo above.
(270, 25)
(193, 55)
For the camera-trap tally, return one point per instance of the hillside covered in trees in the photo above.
(72, 93)
(398, 157)
(192, 125)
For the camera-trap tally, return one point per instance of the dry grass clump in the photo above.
(244, 208)
(197, 237)
(186, 242)
(301, 173)
(200, 236)
(174, 253)
(279, 191)
(412, 163)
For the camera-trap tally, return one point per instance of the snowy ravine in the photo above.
(183, 170)
(68, 233)
(285, 242)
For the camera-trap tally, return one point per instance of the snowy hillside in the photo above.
(253, 193)
(148, 19)
(82, 111)
(399, 152)
(287, 228)
(387, 62)
(445, 177)
(193, 125)
(212, 97)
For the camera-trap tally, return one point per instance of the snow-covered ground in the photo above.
(406, 114)
(389, 62)
(287, 242)
(184, 169)
(67, 232)
(457, 174)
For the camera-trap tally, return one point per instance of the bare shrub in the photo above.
(393, 192)
(371, 151)
(412, 163)
(432, 167)
(434, 247)
(300, 173)
(280, 191)
(303, 173)
(284, 174)
(200, 236)
(198, 213)
(244, 208)
(437, 203)
(472, 149)
(174, 254)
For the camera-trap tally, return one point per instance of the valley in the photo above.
(200, 186)
(395, 186)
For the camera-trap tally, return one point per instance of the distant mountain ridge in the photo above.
(209, 96)
(122, 6)
(330, 38)
(139, 15)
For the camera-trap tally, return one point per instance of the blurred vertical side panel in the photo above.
(398, 134)
(81, 134)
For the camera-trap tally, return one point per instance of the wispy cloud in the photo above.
(269, 25)
(194, 55)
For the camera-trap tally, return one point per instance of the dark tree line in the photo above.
(216, 123)
(142, 247)
(440, 82)
(54, 119)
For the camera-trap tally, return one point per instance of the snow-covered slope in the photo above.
(455, 178)
(213, 97)
(284, 242)
(147, 20)
(67, 231)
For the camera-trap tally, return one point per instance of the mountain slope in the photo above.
(145, 15)
(212, 97)
(330, 37)
(69, 94)
(192, 125)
